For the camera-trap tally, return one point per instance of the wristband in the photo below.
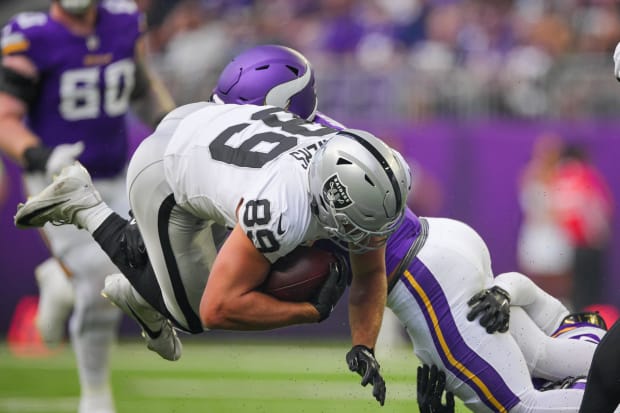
(363, 347)
(36, 157)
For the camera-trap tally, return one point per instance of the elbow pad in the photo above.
(17, 85)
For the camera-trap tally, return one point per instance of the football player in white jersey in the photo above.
(259, 75)
(219, 192)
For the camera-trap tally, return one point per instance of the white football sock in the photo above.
(91, 218)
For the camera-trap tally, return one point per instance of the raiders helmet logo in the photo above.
(335, 192)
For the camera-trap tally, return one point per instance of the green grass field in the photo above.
(214, 376)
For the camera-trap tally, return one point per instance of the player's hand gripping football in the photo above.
(361, 359)
(431, 385)
(326, 298)
(132, 245)
(493, 307)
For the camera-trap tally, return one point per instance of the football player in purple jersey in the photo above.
(429, 296)
(67, 80)
(600, 386)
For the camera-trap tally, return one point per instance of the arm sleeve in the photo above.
(24, 35)
(15, 84)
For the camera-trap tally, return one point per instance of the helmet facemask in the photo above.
(358, 196)
(348, 235)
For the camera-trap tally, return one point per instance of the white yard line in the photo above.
(36, 405)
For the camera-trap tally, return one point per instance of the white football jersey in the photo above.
(248, 164)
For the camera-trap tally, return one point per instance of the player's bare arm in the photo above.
(367, 299)
(18, 88)
(230, 300)
(15, 138)
(367, 296)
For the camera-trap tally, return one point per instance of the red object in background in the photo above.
(609, 312)
(584, 203)
(23, 337)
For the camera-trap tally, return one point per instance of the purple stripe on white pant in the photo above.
(460, 351)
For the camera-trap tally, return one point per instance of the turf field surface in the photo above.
(214, 376)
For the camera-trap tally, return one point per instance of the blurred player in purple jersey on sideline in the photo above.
(67, 79)
(428, 296)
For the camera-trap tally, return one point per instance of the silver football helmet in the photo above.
(359, 188)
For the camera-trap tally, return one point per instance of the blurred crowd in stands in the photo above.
(407, 58)
(403, 59)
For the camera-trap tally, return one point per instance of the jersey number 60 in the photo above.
(80, 92)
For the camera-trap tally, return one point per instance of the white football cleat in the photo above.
(69, 192)
(158, 332)
(55, 301)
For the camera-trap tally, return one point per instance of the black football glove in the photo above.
(431, 385)
(326, 298)
(493, 306)
(361, 359)
(132, 244)
(51, 161)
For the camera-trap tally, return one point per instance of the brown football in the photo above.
(298, 275)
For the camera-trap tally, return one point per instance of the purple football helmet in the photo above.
(269, 75)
